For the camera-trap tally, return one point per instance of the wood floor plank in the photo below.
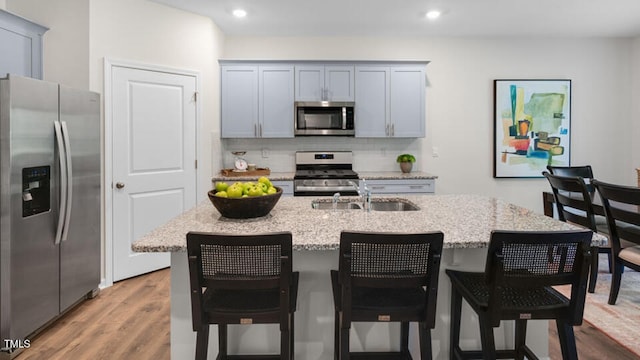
(131, 320)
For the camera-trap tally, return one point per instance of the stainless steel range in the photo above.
(320, 173)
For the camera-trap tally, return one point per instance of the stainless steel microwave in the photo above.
(324, 118)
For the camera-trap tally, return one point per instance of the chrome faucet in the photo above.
(364, 193)
(336, 198)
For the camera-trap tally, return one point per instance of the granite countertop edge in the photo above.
(466, 221)
(369, 175)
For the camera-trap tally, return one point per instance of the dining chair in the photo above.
(241, 279)
(521, 270)
(583, 171)
(386, 277)
(574, 203)
(621, 205)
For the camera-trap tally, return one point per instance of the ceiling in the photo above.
(608, 18)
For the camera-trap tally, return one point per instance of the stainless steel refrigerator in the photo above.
(49, 203)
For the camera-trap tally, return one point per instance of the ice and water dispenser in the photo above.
(36, 190)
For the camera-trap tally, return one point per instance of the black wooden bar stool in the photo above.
(241, 279)
(521, 270)
(384, 277)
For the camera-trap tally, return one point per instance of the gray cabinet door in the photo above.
(239, 101)
(20, 46)
(276, 101)
(324, 83)
(339, 83)
(407, 102)
(309, 83)
(372, 101)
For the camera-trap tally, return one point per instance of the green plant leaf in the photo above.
(406, 158)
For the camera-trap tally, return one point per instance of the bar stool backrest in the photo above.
(535, 260)
(391, 260)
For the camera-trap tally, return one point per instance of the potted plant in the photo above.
(406, 162)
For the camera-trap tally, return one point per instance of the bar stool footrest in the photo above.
(380, 355)
(500, 354)
(251, 357)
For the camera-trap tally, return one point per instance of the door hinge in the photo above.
(196, 164)
(195, 96)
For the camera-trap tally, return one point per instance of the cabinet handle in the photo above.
(386, 130)
(260, 125)
(416, 186)
(377, 187)
(393, 130)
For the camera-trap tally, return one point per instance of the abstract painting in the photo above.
(532, 126)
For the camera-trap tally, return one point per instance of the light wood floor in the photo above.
(131, 320)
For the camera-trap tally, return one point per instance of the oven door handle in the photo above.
(324, 188)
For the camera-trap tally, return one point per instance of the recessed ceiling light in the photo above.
(239, 13)
(433, 14)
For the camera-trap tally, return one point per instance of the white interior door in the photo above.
(154, 160)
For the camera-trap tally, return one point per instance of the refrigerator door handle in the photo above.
(67, 150)
(63, 180)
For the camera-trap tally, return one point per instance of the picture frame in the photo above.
(532, 126)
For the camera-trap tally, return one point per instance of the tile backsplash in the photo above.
(279, 154)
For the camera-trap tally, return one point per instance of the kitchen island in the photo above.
(465, 220)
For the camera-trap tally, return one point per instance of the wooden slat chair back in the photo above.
(621, 206)
(574, 194)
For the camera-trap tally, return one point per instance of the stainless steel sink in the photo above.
(340, 205)
(393, 205)
(377, 204)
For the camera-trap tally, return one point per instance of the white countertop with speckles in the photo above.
(465, 220)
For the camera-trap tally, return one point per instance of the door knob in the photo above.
(119, 185)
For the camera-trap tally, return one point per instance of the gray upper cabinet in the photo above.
(372, 101)
(324, 83)
(257, 101)
(257, 97)
(276, 101)
(407, 101)
(20, 46)
(390, 101)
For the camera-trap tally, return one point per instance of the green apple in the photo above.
(265, 180)
(221, 186)
(246, 186)
(272, 190)
(222, 194)
(255, 190)
(264, 187)
(234, 191)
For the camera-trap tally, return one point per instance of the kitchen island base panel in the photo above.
(314, 318)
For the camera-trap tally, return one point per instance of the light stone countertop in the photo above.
(369, 175)
(394, 175)
(274, 176)
(465, 220)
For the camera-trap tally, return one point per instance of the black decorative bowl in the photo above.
(247, 207)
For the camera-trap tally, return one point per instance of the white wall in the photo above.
(3, 5)
(147, 32)
(66, 43)
(635, 114)
(460, 104)
(83, 32)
